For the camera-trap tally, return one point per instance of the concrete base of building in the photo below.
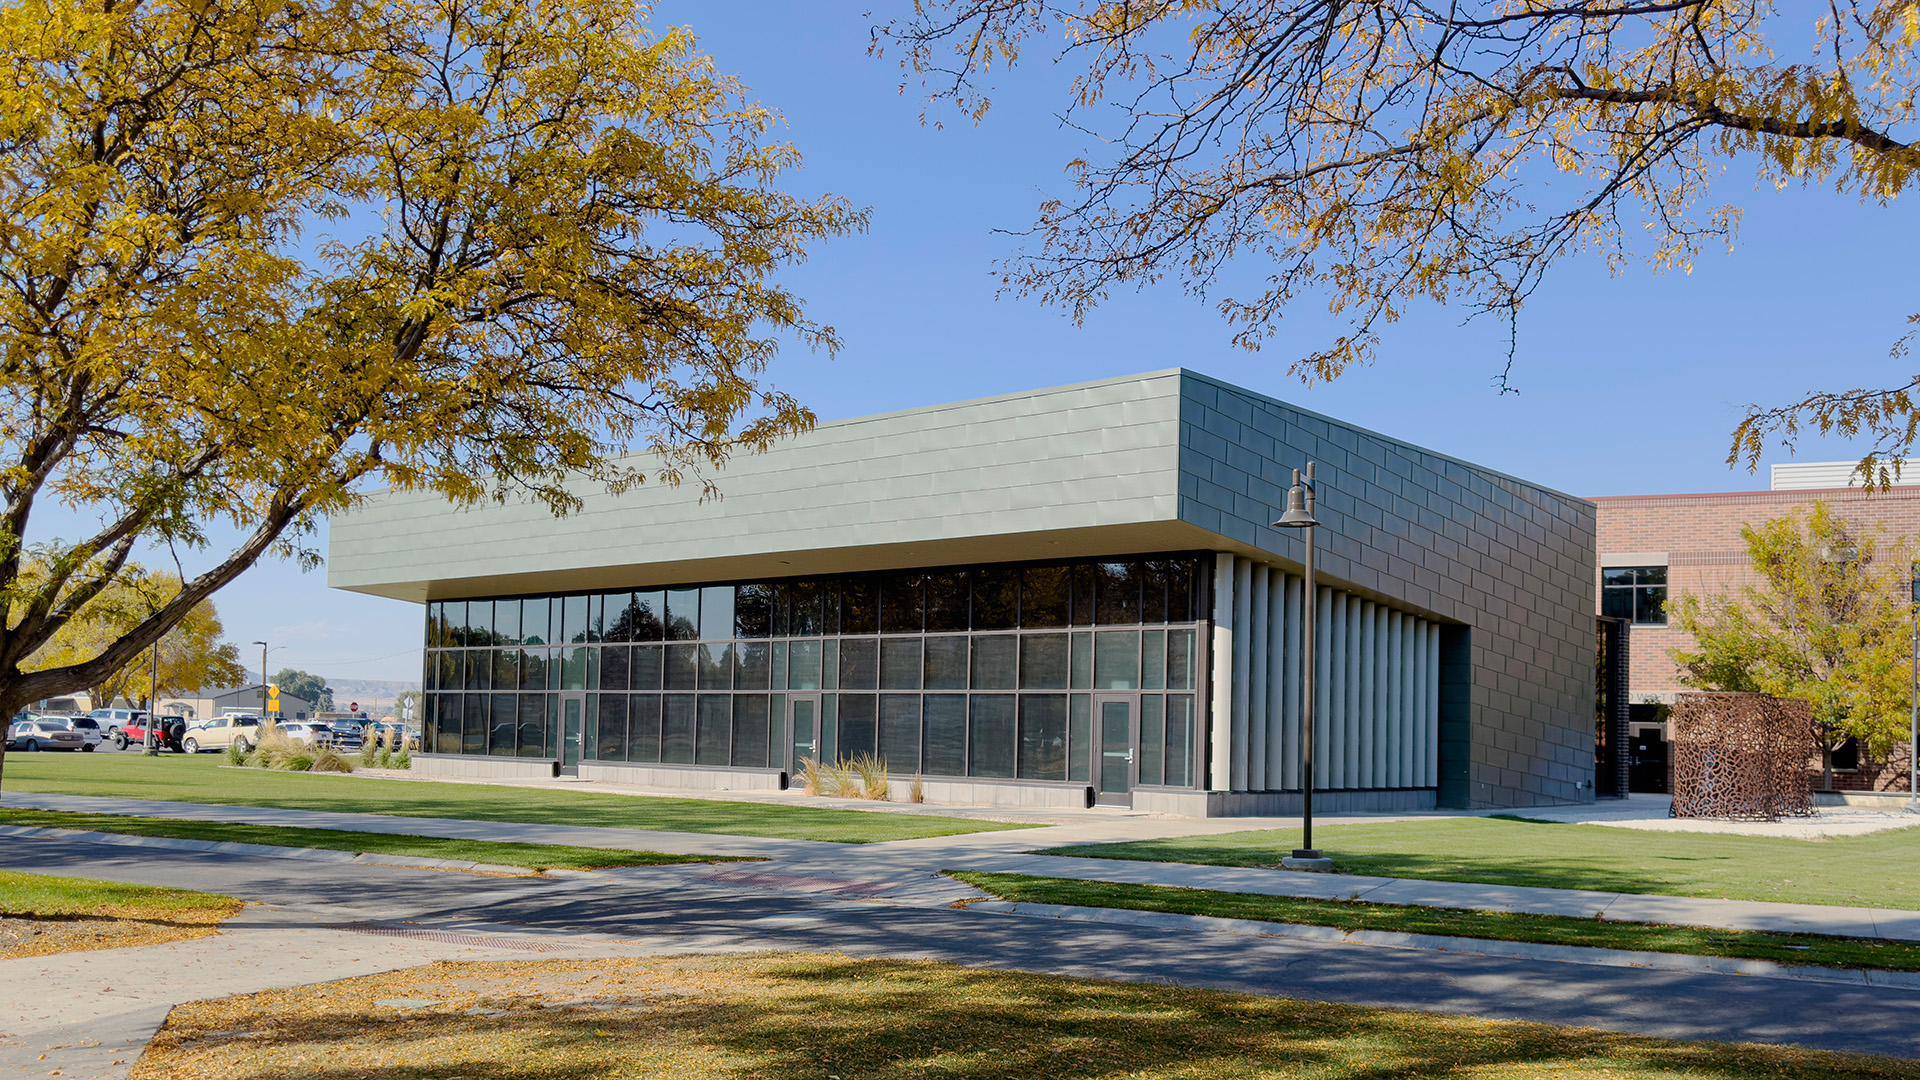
(1027, 796)
(687, 777)
(474, 767)
(1185, 802)
(1872, 800)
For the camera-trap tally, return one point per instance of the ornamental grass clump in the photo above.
(276, 751)
(871, 771)
(861, 777)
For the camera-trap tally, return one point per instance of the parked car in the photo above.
(320, 736)
(89, 729)
(44, 733)
(112, 720)
(220, 732)
(396, 735)
(170, 730)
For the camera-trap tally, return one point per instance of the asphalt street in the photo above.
(672, 909)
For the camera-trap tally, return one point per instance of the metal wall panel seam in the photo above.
(1259, 650)
(1362, 774)
(1277, 685)
(1380, 723)
(1350, 743)
(1242, 666)
(1396, 771)
(1416, 707)
(1327, 756)
(1290, 733)
(1431, 703)
(1220, 711)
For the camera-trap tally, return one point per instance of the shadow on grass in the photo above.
(837, 1019)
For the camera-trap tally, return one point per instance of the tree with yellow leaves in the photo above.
(1395, 151)
(193, 654)
(1827, 621)
(259, 255)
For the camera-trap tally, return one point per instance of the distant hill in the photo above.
(368, 692)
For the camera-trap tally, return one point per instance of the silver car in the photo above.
(41, 733)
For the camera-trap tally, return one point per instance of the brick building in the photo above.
(1652, 547)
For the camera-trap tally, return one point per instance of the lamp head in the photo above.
(1297, 516)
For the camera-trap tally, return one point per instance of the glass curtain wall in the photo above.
(978, 671)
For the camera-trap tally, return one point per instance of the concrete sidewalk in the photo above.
(88, 1015)
(906, 871)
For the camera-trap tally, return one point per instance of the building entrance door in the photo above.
(803, 731)
(1647, 770)
(573, 709)
(1116, 730)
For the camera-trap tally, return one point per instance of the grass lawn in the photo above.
(531, 856)
(1840, 952)
(1877, 870)
(200, 779)
(831, 1018)
(41, 914)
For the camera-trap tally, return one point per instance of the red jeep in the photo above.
(169, 730)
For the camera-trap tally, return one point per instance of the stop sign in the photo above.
(353, 706)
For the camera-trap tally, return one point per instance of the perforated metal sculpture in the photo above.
(1741, 756)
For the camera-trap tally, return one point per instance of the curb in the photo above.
(1521, 950)
(275, 851)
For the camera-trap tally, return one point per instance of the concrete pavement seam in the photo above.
(1577, 954)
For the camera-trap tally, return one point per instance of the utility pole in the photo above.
(263, 678)
(1913, 703)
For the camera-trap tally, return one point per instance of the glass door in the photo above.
(1115, 722)
(803, 729)
(572, 720)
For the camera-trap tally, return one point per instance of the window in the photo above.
(1846, 756)
(1635, 593)
(955, 671)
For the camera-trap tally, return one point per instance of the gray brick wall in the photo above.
(1510, 562)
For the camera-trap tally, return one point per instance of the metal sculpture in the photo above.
(1741, 756)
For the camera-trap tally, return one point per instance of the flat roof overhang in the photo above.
(1110, 540)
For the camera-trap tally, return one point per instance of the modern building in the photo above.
(1657, 547)
(1053, 598)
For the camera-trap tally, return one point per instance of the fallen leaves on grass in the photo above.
(43, 913)
(28, 936)
(798, 1017)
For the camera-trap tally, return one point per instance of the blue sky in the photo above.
(1629, 384)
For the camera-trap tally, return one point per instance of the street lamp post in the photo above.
(1913, 704)
(1299, 515)
(263, 680)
